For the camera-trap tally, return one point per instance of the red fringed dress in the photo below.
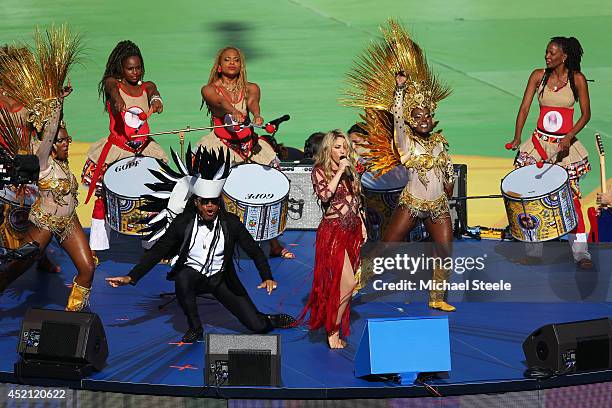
(339, 232)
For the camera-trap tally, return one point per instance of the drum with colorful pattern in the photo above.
(539, 203)
(124, 185)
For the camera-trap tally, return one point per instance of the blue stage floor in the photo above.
(146, 356)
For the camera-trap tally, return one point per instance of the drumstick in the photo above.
(476, 197)
(141, 115)
(186, 130)
(550, 161)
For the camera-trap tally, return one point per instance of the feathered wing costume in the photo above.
(373, 84)
(35, 78)
(14, 135)
(14, 138)
(202, 174)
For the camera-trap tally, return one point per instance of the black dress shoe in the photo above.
(193, 335)
(282, 321)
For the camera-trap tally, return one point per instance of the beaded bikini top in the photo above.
(59, 187)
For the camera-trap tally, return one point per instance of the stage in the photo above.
(146, 356)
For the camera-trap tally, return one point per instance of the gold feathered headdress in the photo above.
(35, 78)
(372, 85)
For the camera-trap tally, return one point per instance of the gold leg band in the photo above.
(79, 298)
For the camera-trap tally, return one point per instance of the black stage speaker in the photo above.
(238, 359)
(571, 347)
(303, 212)
(59, 344)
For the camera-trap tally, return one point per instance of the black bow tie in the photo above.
(208, 224)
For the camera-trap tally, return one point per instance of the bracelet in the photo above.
(156, 98)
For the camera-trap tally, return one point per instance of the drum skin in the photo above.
(124, 184)
(259, 196)
(539, 208)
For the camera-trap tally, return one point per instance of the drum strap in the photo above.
(120, 142)
(538, 146)
(580, 227)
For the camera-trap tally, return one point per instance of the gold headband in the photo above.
(418, 95)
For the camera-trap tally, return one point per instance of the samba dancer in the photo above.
(203, 238)
(10, 237)
(54, 212)
(228, 92)
(129, 102)
(559, 86)
(411, 91)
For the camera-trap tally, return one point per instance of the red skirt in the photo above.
(334, 237)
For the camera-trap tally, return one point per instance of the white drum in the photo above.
(259, 196)
(539, 203)
(124, 185)
(393, 181)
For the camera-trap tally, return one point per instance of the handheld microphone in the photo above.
(347, 170)
(280, 120)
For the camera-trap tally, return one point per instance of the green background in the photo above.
(300, 51)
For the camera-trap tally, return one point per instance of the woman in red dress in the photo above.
(339, 237)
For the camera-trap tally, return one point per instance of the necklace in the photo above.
(63, 164)
(558, 88)
(234, 91)
(231, 88)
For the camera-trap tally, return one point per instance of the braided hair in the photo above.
(572, 48)
(114, 68)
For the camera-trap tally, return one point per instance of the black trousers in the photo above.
(189, 283)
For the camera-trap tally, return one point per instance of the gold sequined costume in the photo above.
(55, 208)
(387, 117)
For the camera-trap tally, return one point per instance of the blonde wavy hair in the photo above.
(323, 157)
(215, 75)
